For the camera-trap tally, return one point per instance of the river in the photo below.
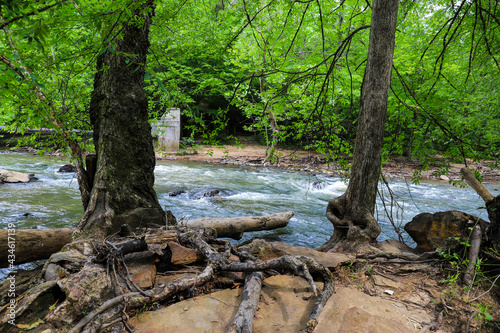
(54, 201)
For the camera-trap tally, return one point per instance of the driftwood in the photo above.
(248, 306)
(476, 185)
(37, 244)
(21, 246)
(234, 227)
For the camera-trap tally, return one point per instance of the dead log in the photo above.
(475, 245)
(38, 244)
(234, 227)
(21, 246)
(476, 185)
(243, 320)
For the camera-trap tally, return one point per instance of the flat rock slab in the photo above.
(13, 176)
(285, 305)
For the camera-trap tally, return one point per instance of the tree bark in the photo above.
(32, 244)
(352, 213)
(122, 191)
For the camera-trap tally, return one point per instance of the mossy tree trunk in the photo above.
(352, 213)
(122, 191)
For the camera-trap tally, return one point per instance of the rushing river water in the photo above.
(54, 200)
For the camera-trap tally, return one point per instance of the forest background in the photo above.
(286, 72)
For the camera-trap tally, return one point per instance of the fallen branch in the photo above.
(475, 245)
(31, 244)
(39, 244)
(243, 320)
(476, 185)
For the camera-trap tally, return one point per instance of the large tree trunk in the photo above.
(352, 213)
(122, 191)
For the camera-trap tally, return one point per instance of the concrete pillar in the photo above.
(168, 130)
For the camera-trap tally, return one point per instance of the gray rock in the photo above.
(67, 168)
(176, 193)
(15, 177)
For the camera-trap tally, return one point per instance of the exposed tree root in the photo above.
(105, 275)
(243, 320)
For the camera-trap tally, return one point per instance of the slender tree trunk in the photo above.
(122, 191)
(352, 213)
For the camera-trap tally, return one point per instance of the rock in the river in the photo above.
(318, 184)
(176, 193)
(211, 193)
(208, 194)
(430, 231)
(67, 168)
(7, 176)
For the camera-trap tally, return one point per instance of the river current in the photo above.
(54, 201)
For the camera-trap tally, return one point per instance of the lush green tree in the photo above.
(46, 76)
(352, 214)
(447, 76)
(188, 66)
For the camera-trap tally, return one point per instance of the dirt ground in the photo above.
(431, 287)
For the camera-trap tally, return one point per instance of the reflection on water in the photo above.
(54, 201)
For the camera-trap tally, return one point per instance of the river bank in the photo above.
(371, 294)
(251, 154)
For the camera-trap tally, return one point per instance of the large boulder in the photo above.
(431, 231)
(7, 176)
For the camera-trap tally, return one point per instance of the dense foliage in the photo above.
(288, 72)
